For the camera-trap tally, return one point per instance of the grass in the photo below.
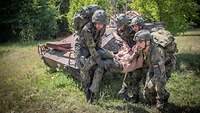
(27, 85)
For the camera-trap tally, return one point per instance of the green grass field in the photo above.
(27, 85)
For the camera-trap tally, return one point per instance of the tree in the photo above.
(38, 21)
(29, 19)
(174, 13)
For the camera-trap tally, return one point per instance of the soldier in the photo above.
(154, 89)
(124, 30)
(87, 56)
(132, 79)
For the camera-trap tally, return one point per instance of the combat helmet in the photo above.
(122, 19)
(137, 21)
(143, 35)
(100, 16)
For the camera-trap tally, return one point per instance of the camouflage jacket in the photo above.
(90, 39)
(127, 35)
(155, 61)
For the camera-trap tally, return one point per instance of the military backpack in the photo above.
(166, 40)
(84, 16)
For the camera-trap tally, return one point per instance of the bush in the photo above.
(174, 13)
(39, 21)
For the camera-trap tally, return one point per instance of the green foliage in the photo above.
(174, 13)
(75, 5)
(37, 21)
(147, 8)
(120, 4)
(30, 19)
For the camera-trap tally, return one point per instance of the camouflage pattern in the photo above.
(98, 74)
(91, 59)
(124, 30)
(132, 79)
(122, 20)
(82, 17)
(165, 40)
(86, 47)
(156, 77)
(127, 34)
(143, 35)
(137, 21)
(100, 16)
(154, 90)
(131, 85)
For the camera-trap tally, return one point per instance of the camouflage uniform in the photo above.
(87, 46)
(87, 57)
(166, 43)
(154, 90)
(131, 83)
(156, 77)
(126, 33)
(132, 79)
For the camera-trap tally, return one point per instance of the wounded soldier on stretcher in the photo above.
(126, 60)
(129, 58)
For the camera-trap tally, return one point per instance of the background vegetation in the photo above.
(177, 14)
(26, 20)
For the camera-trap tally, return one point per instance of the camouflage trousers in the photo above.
(131, 83)
(93, 76)
(154, 89)
(92, 73)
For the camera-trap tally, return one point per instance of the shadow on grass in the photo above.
(172, 108)
(186, 61)
(72, 74)
(110, 86)
(128, 108)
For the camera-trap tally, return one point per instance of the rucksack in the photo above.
(166, 40)
(84, 16)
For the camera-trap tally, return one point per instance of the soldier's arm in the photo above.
(158, 63)
(90, 43)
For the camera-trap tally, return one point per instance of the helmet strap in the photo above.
(147, 44)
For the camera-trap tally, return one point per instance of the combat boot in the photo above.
(134, 98)
(123, 93)
(160, 105)
(89, 96)
(166, 97)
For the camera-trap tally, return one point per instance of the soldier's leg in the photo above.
(149, 92)
(94, 87)
(98, 74)
(111, 65)
(162, 94)
(123, 93)
(136, 77)
(86, 72)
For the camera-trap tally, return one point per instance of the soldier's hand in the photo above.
(97, 59)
